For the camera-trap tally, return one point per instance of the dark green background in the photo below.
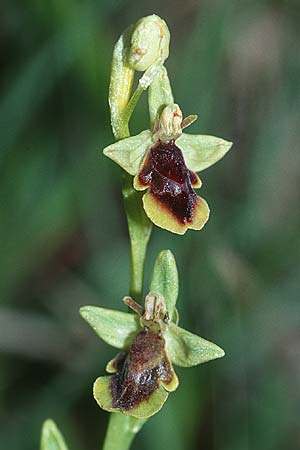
(64, 239)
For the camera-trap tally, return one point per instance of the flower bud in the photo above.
(149, 43)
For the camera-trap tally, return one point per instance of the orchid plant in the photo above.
(163, 161)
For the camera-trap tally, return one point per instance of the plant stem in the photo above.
(122, 428)
(121, 431)
(139, 227)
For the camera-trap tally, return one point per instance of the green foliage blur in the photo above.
(63, 233)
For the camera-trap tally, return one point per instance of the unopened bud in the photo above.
(149, 43)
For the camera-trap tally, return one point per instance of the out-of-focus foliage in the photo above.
(64, 238)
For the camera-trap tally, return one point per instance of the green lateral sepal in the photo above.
(187, 349)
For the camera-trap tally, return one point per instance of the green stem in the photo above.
(121, 431)
(139, 227)
(122, 428)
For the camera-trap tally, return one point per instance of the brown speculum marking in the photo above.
(145, 365)
(169, 180)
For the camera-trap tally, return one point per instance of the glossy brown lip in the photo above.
(169, 180)
(145, 365)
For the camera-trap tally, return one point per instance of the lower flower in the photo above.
(143, 378)
(149, 342)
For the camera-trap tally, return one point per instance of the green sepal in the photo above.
(159, 95)
(201, 151)
(165, 280)
(116, 328)
(51, 437)
(145, 409)
(128, 153)
(186, 349)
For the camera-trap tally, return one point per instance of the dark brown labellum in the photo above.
(170, 181)
(145, 365)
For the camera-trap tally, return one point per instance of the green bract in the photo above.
(51, 437)
(151, 341)
(165, 281)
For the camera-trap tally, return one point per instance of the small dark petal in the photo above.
(119, 360)
(169, 180)
(193, 177)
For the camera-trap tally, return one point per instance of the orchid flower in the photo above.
(142, 375)
(164, 161)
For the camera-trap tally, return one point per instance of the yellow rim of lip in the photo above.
(146, 408)
(163, 218)
(137, 185)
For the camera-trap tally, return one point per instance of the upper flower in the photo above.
(164, 160)
(150, 340)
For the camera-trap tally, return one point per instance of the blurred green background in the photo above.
(64, 238)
